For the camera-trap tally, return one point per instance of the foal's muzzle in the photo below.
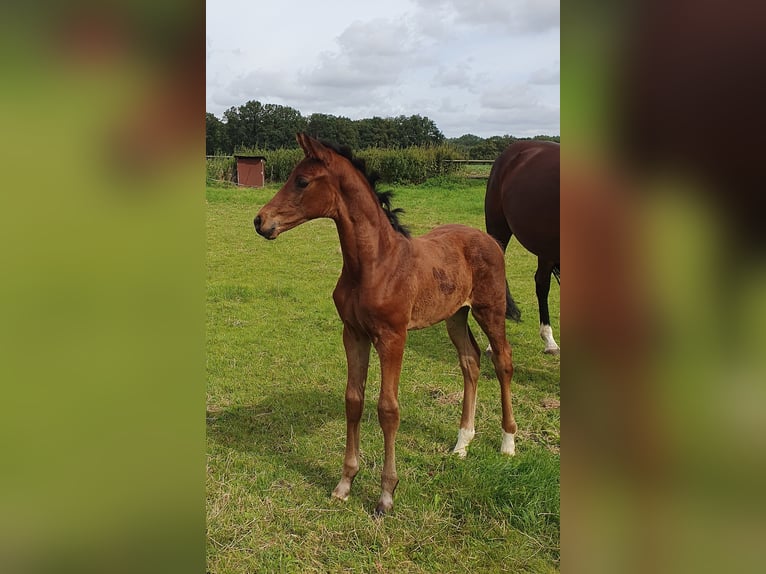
(267, 232)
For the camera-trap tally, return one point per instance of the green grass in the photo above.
(276, 428)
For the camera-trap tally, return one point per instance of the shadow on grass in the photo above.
(289, 429)
(274, 429)
(288, 432)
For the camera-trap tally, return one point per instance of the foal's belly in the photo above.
(427, 313)
(444, 279)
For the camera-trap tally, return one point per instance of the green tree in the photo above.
(215, 135)
(249, 125)
(465, 143)
(416, 131)
(491, 147)
(376, 132)
(278, 126)
(337, 129)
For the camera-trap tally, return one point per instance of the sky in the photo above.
(484, 67)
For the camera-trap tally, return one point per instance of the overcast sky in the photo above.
(486, 67)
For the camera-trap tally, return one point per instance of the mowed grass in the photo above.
(276, 425)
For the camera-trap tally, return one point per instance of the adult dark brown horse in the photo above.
(523, 200)
(391, 283)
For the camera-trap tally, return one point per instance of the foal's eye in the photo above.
(301, 182)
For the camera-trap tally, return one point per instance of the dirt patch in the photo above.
(550, 403)
(443, 398)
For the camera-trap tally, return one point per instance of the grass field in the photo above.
(276, 426)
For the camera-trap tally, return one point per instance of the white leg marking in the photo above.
(509, 444)
(464, 438)
(546, 334)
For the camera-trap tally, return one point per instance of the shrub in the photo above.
(406, 165)
(221, 168)
(412, 164)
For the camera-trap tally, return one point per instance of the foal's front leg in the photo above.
(391, 350)
(358, 357)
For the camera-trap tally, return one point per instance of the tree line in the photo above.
(254, 125)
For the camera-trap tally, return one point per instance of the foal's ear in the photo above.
(313, 148)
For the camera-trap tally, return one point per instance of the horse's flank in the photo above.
(523, 200)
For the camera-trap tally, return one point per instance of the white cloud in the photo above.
(457, 75)
(370, 54)
(455, 61)
(518, 110)
(550, 76)
(517, 16)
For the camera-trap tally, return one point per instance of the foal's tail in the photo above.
(511, 310)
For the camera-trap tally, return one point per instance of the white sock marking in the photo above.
(509, 444)
(546, 334)
(464, 438)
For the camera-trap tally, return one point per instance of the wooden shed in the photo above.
(251, 170)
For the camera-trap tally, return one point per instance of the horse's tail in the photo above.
(511, 310)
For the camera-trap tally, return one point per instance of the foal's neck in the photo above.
(366, 235)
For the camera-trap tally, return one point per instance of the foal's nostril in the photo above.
(257, 223)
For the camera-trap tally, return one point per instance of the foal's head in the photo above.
(310, 192)
(313, 189)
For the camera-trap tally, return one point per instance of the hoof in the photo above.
(464, 438)
(462, 453)
(546, 334)
(508, 446)
(342, 491)
(339, 496)
(381, 510)
(385, 504)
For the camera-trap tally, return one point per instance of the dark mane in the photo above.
(384, 197)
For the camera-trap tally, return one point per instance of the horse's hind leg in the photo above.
(492, 322)
(542, 288)
(498, 228)
(469, 356)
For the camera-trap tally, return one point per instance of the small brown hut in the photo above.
(251, 170)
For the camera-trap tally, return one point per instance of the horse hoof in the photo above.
(464, 438)
(508, 446)
(385, 504)
(556, 351)
(381, 510)
(341, 492)
(462, 453)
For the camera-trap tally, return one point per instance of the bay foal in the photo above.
(391, 283)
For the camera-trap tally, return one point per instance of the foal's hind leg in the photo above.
(542, 288)
(498, 228)
(469, 356)
(492, 322)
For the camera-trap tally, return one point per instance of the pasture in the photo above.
(276, 375)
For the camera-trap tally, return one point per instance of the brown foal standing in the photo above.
(391, 283)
